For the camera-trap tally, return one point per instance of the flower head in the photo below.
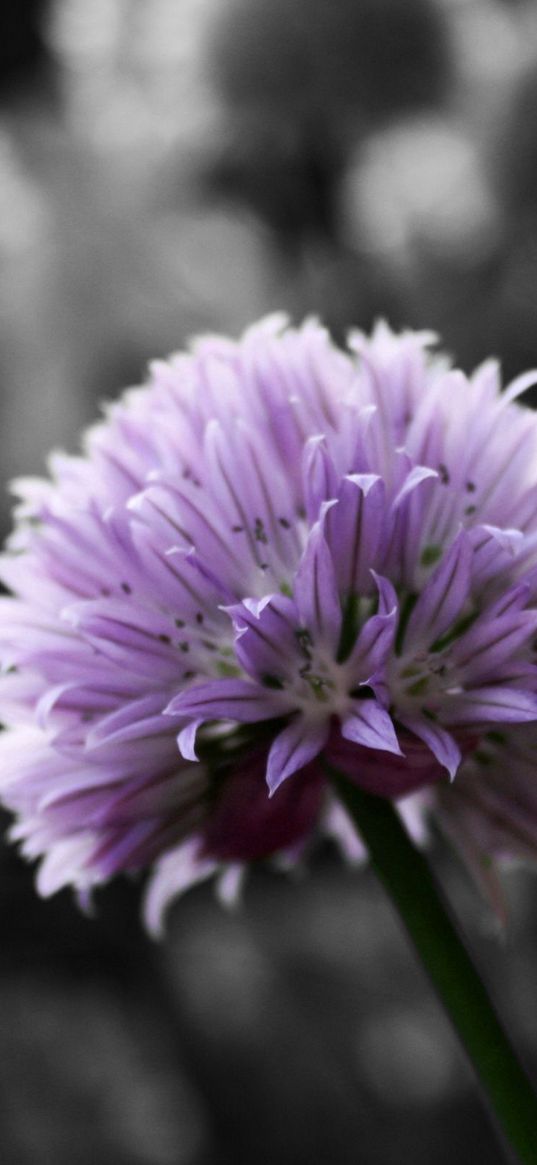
(275, 552)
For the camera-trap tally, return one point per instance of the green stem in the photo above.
(408, 880)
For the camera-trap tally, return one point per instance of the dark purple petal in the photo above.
(246, 823)
(385, 773)
(293, 748)
(373, 646)
(441, 743)
(370, 725)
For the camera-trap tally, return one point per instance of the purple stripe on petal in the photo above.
(204, 574)
(319, 474)
(354, 529)
(293, 748)
(408, 523)
(370, 725)
(228, 699)
(266, 639)
(489, 704)
(443, 596)
(373, 646)
(141, 717)
(514, 599)
(491, 643)
(126, 633)
(316, 592)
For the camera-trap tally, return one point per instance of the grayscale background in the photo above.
(176, 166)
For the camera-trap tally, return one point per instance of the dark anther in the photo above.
(303, 639)
(364, 692)
(259, 531)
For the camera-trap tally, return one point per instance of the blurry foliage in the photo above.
(515, 178)
(25, 58)
(330, 65)
(302, 84)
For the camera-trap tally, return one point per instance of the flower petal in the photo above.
(186, 740)
(175, 873)
(443, 596)
(491, 643)
(293, 748)
(370, 725)
(266, 635)
(488, 705)
(320, 476)
(441, 743)
(354, 530)
(373, 646)
(316, 592)
(227, 699)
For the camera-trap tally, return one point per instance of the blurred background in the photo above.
(174, 166)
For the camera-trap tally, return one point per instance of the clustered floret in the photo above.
(275, 554)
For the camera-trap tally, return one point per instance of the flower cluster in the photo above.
(274, 555)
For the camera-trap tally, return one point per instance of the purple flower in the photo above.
(274, 553)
